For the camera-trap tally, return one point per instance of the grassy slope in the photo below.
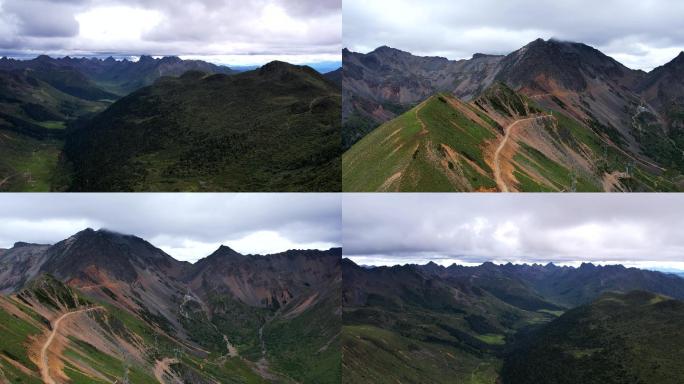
(13, 345)
(401, 146)
(375, 355)
(117, 324)
(33, 115)
(400, 151)
(414, 331)
(620, 338)
(27, 164)
(307, 347)
(248, 132)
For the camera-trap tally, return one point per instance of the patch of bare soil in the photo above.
(390, 180)
(611, 181)
(163, 372)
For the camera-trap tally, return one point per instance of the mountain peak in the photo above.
(225, 252)
(678, 60)
(383, 48)
(479, 55)
(171, 59)
(386, 50)
(276, 66)
(284, 70)
(85, 231)
(587, 266)
(146, 59)
(43, 58)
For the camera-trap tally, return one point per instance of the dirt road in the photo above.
(497, 167)
(44, 364)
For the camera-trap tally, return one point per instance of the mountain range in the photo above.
(510, 324)
(126, 309)
(551, 116)
(76, 124)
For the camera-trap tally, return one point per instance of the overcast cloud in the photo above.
(639, 34)
(226, 31)
(187, 226)
(643, 230)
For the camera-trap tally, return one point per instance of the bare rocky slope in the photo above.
(227, 318)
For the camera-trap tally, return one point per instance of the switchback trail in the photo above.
(497, 168)
(44, 364)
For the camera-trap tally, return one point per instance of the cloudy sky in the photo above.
(642, 230)
(223, 31)
(187, 226)
(640, 34)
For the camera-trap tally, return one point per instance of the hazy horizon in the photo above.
(218, 31)
(320, 66)
(470, 264)
(635, 230)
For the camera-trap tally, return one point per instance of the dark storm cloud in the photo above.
(172, 27)
(641, 34)
(192, 224)
(397, 228)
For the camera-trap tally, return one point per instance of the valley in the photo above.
(607, 127)
(510, 324)
(102, 307)
(75, 124)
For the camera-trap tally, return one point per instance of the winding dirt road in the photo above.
(497, 167)
(44, 364)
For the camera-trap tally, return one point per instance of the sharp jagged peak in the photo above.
(146, 58)
(677, 61)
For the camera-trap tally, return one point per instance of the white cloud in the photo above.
(634, 229)
(187, 226)
(202, 28)
(458, 28)
(115, 26)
